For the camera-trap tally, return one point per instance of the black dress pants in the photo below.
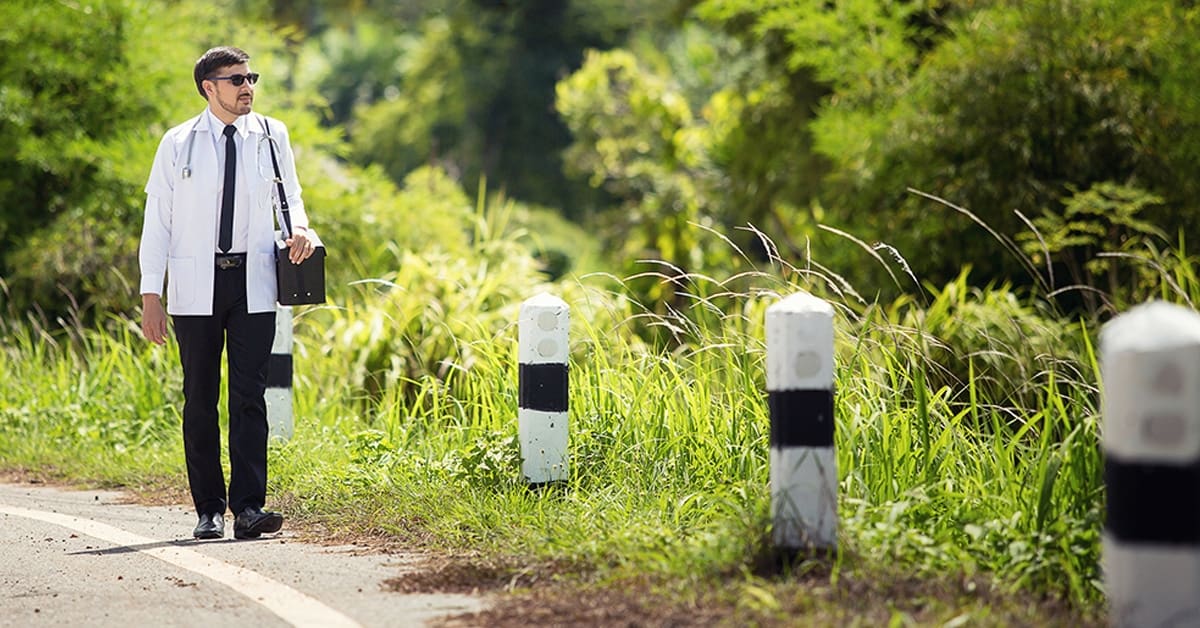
(201, 341)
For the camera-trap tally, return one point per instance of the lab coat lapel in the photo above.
(204, 175)
(261, 219)
(260, 274)
(249, 156)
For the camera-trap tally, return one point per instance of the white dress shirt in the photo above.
(241, 196)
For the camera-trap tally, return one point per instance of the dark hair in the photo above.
(215, 59)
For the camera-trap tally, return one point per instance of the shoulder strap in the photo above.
(284, 216)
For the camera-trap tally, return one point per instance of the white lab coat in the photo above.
(179, 231)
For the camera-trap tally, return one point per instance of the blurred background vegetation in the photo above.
(1047, 144)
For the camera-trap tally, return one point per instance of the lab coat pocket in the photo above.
(266, 262)
(181, 280)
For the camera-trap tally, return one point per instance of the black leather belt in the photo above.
(229, 261)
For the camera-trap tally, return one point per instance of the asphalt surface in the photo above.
(89, 558)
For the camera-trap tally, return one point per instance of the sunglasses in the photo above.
(237, 79)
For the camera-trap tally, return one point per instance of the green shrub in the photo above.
(989, 343)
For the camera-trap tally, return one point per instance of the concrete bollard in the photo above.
(800, 397)
(279, 377)
(542, 388)
(1150, 362)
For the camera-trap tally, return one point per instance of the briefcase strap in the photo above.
(282, 214)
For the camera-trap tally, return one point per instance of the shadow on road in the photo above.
(126, 549)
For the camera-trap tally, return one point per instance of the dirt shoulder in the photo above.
(525, 592)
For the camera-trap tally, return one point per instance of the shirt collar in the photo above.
(218, 128)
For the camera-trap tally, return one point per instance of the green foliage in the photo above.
(636, 136)
(855, 46)
(469, 86)
(990, 343)
(65, 91)
(1020, 104)
(626, 121)
(405, 325)
(996, 106)
(104, 387)
(80, 264)
(808, 120)
(562, 248)
(668, 450)
(817, 59)
(422, 114)
(370, 224)
(1102, 219)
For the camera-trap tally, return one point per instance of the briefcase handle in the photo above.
(282, 214)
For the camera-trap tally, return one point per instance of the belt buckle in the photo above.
(225, 262)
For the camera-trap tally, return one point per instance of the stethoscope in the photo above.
(280, 207)
(187, 166)
(186, 173)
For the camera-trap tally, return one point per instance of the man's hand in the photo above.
(301, 245)
(154, 319)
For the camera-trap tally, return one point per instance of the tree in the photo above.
(472, 90)
(996, 106)
(65, 89)
(1023, 103)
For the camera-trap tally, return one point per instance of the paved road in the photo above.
(86, 558)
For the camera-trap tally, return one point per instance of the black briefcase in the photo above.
(298, 284)
(303, 283)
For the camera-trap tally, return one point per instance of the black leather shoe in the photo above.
(211, 526)
(252, 522)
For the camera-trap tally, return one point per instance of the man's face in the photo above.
(236, 100)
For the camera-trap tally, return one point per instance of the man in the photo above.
(209, 231)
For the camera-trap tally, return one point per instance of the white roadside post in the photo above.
(1150, 362)
(542, 388)
(279, 377)
(800, 397)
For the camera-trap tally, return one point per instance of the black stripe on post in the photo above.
(1153, 503)
(801, 418)
(542, 387)
(279, 370)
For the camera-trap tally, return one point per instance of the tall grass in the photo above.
(96, 403)
(966, 427)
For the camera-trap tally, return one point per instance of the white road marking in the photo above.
(289, 604)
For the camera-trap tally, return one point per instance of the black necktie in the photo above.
(225, 241)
